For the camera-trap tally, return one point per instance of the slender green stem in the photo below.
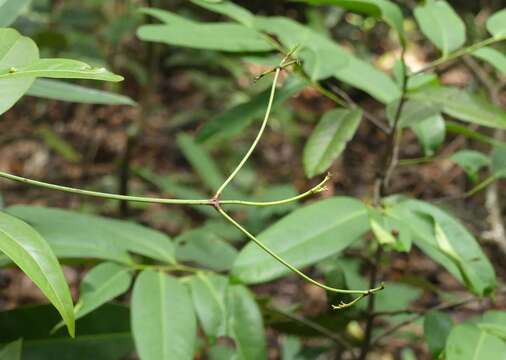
(363, 293)
(101, 194)
(465, 51)
(262, 128)
(313, 190)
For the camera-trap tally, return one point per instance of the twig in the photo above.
(493, 200)
(465, 51)
(380, 189)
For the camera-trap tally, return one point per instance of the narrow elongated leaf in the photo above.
(15, 50)
(386, 10)
(462, 105)
(59, 90)
(335, 224)
(468, 342)
(494, 57)
(234, 120)
(209, 294)
(469, 265)
(246, 325)
(101, 284)
(364, 76)
(496, 24)
(200, 160)
(471, 161)
(102, 335)
(58, 68)
(413, 112)
(321, 56)
(228, 8)
(163, 321)
(205, 248)
(436, 328)
(498, 164)
(431, 133)
(28, 250)
(329, 139)
(73, 235)
(441, 24)
(179, 31)
(10, 10)
(12, 351)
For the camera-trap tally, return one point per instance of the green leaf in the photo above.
(336, 223)
(364, 76)
(163, 321)
(329, 139)
(209, 294)
(205, 248)
(179, 31)
(390, 231)
(58, 68)
(462, 105)
(413, 112)
(494, 322)
(12, 351)
(470, 265)
(441, 24)
(100, 285)
(228, 8)
(498, 161)
(494, 57)
(386, 10)
(496, 24)
(431, 133)
(237, 118)
(321, 56)
(201, 162)
(472, 162)
(74, 235)
(436, 328)
(102, 335)
(245, 324)
(59, 90)
(468, 342)
(28, 250)
(15, 50)
(10, 10)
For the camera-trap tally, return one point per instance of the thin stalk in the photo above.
(391, 160)
(316, 189)
(262, 128)
(363, 293)
(101, 194)
(465, 51)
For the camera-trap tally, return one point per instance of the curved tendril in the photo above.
(362, 293)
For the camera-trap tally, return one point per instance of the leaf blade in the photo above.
(30, 252)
